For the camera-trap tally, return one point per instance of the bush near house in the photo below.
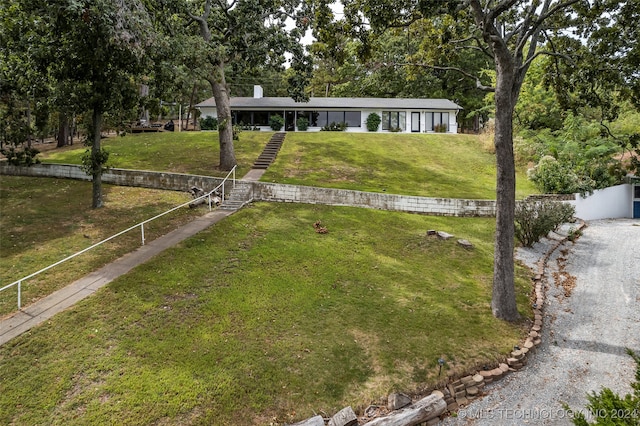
(440, 128)
(335, 127)
(302, 123)
(373, 122)
(209, 123)
(276, 122)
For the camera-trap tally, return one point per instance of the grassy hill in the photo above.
(258, 319)
(430, 165)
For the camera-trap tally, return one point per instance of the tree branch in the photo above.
(479, 84)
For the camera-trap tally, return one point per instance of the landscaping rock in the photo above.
(443, 235)
(344, 417)
(465, 243)
(472, 391)
(395, 401)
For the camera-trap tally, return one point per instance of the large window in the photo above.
(439, 121)
(336, 117)
(353, 118)
(394, 120)
(260, 118)
(316, 118)
(321, 118)
(243, 118)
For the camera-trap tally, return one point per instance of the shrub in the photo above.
(276, 122)
(608, 408)
(535, 219)
(440, 128)
(209, 123)
(335, 127)
(552, 177)
(21, 157)
(302, 123)
(395, 129)
(373, 122)
(236, 129)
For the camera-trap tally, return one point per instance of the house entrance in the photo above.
(636, 201)
(415, 122)
(289, 121)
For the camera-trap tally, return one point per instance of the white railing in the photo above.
(208, 196)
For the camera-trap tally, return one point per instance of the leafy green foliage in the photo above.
(582, 157)
(373, 122)
(335, 127)
(209, 123)
(552, 177)
(535, 219)
(276, 122)
(302, 123)
(22, 156)
(538, 107)
(609, 408)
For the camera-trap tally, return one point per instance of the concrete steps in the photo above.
(270, 151)
(239, 196)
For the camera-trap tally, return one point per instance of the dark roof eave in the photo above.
(337, 103)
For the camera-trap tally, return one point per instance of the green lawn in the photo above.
(430, 165)
(44, 220)
(260, 319)
(179, 152)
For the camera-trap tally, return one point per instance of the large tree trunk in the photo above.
(225, 125)
(96, 159)
(63, 130)
(503, 302)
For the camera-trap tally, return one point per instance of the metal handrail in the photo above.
(141, 225)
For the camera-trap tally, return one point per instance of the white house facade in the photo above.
(398, 115)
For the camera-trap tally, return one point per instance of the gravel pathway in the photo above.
(585, 333)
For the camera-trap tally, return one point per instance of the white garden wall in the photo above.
(609, 203)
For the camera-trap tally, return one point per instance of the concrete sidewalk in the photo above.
(66, 297)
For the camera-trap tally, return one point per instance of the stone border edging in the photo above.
(458, 392)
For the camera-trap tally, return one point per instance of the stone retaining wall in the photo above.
(123, 177)
(342, 197)
(263, 191)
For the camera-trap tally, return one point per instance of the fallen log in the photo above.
(424, 410)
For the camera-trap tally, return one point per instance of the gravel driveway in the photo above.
(585, 331)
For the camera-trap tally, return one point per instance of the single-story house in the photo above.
(399, 115)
